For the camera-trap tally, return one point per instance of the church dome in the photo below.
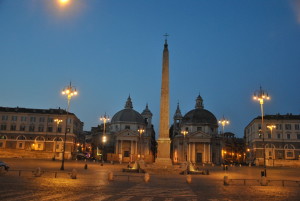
(199, 115)
(128, 114)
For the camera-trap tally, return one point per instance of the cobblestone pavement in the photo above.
(92, 184)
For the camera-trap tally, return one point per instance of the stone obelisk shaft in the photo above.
(163, 149)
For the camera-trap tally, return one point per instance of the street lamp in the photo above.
(57, 121)
(69, 91)
(184, 133)
(261, 96)
(141, 131)
(223, 122)
(104, 118)
(271, 127)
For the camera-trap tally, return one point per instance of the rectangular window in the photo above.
(50, 129)
(278, 127)
(278, 136)
(4, 117)
(31, 128)
(23, 118)
(298, 136)
(3, 127)
(297, 127)
(22, 128)
(14, 118)
(32, 119)
(42, 119)
(259, 126)
(288, 136)
(127, 127)
(288, 127)
(199, 128)
(13, 127)
(41, 128)
(126, 154)
(59, 129)
(50, 119)
(269, 135)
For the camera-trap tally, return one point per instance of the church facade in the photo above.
(195, 136)
(131, 135)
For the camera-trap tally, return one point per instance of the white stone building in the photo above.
(34, 133)
(132, 134)
(195, 136)
(278, 140)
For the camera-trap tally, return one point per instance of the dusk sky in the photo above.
(223, 50)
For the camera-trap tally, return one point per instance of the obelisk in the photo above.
(163, 142)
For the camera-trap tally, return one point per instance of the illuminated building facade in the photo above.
(195, 136)
(37, 133)
(279, 137)
(130, 136)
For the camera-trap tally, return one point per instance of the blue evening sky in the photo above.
(222, 49)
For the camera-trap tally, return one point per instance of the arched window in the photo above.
(58, 139)
(39, 138)
(289, 150)
(21, 137)
(3, 137)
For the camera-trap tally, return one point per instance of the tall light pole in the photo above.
(141, 131)
(69, 91)
(261, 96)
(104, 118)
(223, 122)
(57, 121)
(184, 133)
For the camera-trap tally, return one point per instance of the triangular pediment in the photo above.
(127, 133)
(199, 135)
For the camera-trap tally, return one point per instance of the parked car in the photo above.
(81, 156)
(4, 166)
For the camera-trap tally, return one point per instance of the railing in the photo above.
(269, 182)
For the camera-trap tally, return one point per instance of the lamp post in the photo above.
(57, 121)
(104, 118)
(261, 96)
(271, 127)
(141, 131)
(69, 91)
(223, 122)
(184, 133)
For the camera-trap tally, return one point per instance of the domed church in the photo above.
(133, 135)
(194, 136)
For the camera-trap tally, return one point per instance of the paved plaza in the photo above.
(92, 183)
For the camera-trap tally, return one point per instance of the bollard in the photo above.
(188, 178)
(263, 181)
(85, 166)
(37, 172)
(147, 177)
(110, 176)
(249, 164)
(226, 181)
(73, 174)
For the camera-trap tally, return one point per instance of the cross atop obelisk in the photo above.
(163, 149)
